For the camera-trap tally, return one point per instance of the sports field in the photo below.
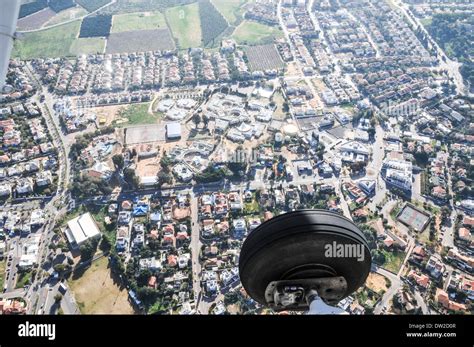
(96, 292)
(413, 218)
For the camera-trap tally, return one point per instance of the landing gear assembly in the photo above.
(290, 262)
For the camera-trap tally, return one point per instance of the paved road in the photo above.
(445, 63)
(396, 285)
(421, 302)
(195, 251)
(448, 237)
(40, 299)
(68, 303)
(327, 47)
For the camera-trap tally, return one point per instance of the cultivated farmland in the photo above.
(96, 26)
(232, 10)
(54, 42)
(60, 5)
(140, 41)
(138, 21)
(88, 45)
(92, 5)
(36, 20)
(66, 15)
(32, 7)
(185, 25)
(132, 6)
(212, 22)
(264, 57)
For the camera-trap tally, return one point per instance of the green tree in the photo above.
(164, 178)
(57, 298)
(196, 119)
(118, 161)
(131, 178)
(88, 249)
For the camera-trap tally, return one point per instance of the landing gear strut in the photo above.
(285, 265)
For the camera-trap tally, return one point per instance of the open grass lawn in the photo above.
(424, 236)
(2, 273)
(395, 211)
(138, 114)
(71, 215)
(251, 207)
(393, 261)
(87, 45)
(253, 33)
(70, 13)
(99, 213)
(138, 21)
(230, 9)
(23, 278)
(54, 42)
(96, 292)
(185, 25)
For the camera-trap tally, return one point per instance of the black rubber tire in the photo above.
(296, 239)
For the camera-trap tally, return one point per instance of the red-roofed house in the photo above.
(152, 282)
(422, 280)
(468, 221)
(464, 234)
(443, 299)
(172, 260)
(388, 242)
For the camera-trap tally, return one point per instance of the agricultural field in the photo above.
(63, 16)
(264, 57)
(60, 5)
(96, 291)
(88, 45)
(32, 7)
(253, 33)
(54, 42)
(132, 6)
(92, 5)
(36, 20)
(96, 26)
(185, 25)
(138, 21)
(140, 41)
(232, 10)
(212, 22)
